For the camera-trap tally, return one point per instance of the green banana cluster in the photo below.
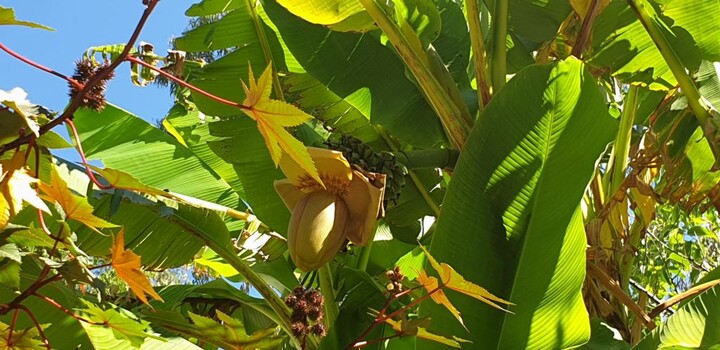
(364, 156)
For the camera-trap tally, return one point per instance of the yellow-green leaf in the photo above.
(75, 207)
(127, 266)
(424, 334)
(431, 285)
(15, 188)
(120, 179)
(323, 12)
(272, 117)
(453, 280)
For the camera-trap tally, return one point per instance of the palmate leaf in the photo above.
(450, 279)
(272, 117)
(115, 328)
(229, 334)
(421, 332)
(511, 208)
(127, 266)
(20, 339)
(15, 188)
(74, 206)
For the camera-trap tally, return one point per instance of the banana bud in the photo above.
(317, 229)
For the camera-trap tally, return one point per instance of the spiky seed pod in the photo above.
(298, 316)
(299, 292)
(315, 314)
(314, 298)
(298, 329)
(291, 300)
(85, 70)
(318, 329)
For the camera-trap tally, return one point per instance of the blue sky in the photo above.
(80, 24)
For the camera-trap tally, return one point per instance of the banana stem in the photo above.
(619, 157)
(328, 292)
(498, 64)
(428, 158)
(477, 43)
(364, 256)
(416, 180)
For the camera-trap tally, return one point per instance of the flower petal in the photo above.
(329, 163)
(364, 202)
(287, 191)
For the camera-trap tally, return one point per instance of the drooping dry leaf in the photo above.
(453, 280)
(272, 117)
(127, 265)
(15, 188)
(75, 207)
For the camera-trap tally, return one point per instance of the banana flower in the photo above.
(346, 205)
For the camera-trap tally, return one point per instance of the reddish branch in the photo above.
(4, 309)
(56, 305)
(182, 83)
(37, 325)
(89, 172)
(76, 102)
(39, 66)
(358, 342)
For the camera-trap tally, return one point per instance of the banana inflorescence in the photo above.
(345, 206)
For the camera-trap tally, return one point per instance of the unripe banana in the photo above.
(317, 229)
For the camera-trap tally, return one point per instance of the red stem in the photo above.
(182, 83)
(77, 101)
(39, 66)
(65, 310)
(15, 303)
(12, 327)
(37, 326)
(79, 148)
(380, 319)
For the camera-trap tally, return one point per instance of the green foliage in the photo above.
(540, 193)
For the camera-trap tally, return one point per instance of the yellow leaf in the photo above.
(120, 179)
(75, 207)
(453, 280)
(424, 334)
(127, 265)
(431, 285)
(15, 188)
(272, 117)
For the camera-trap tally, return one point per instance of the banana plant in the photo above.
(402, 174)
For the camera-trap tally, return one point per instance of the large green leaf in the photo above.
(536, 21)
(512, 208)
(362, 71)
(241, 145)
(622, 46)
(695, 326)
(253, 43)
(193, 129)
(702, 20)
(122, 140)
(157, 233)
